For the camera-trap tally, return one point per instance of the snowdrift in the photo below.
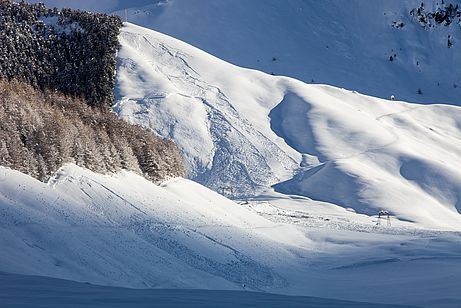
(242, 131)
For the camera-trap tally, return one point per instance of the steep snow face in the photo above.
(342, 44)
(243, 131)
(227, 145)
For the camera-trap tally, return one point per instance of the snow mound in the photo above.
(242, 131)
(88, 227)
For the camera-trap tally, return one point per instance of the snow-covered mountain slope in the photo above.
(122, 230)
(332, 42)
(243, 131)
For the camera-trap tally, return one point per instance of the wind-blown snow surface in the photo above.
(242, 131)
(122, 230)
(345, 44)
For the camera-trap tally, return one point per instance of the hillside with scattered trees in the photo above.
(41, 131)
(66, 50)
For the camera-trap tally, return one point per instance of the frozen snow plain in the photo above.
(50, 292)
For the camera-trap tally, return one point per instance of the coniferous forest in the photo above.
(40, 131)
(57, 74)
(70, 51)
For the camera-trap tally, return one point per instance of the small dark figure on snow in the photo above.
(384, 214)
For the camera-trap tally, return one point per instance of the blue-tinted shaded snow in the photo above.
(34, 291)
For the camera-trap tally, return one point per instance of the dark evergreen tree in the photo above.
(70, 51)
